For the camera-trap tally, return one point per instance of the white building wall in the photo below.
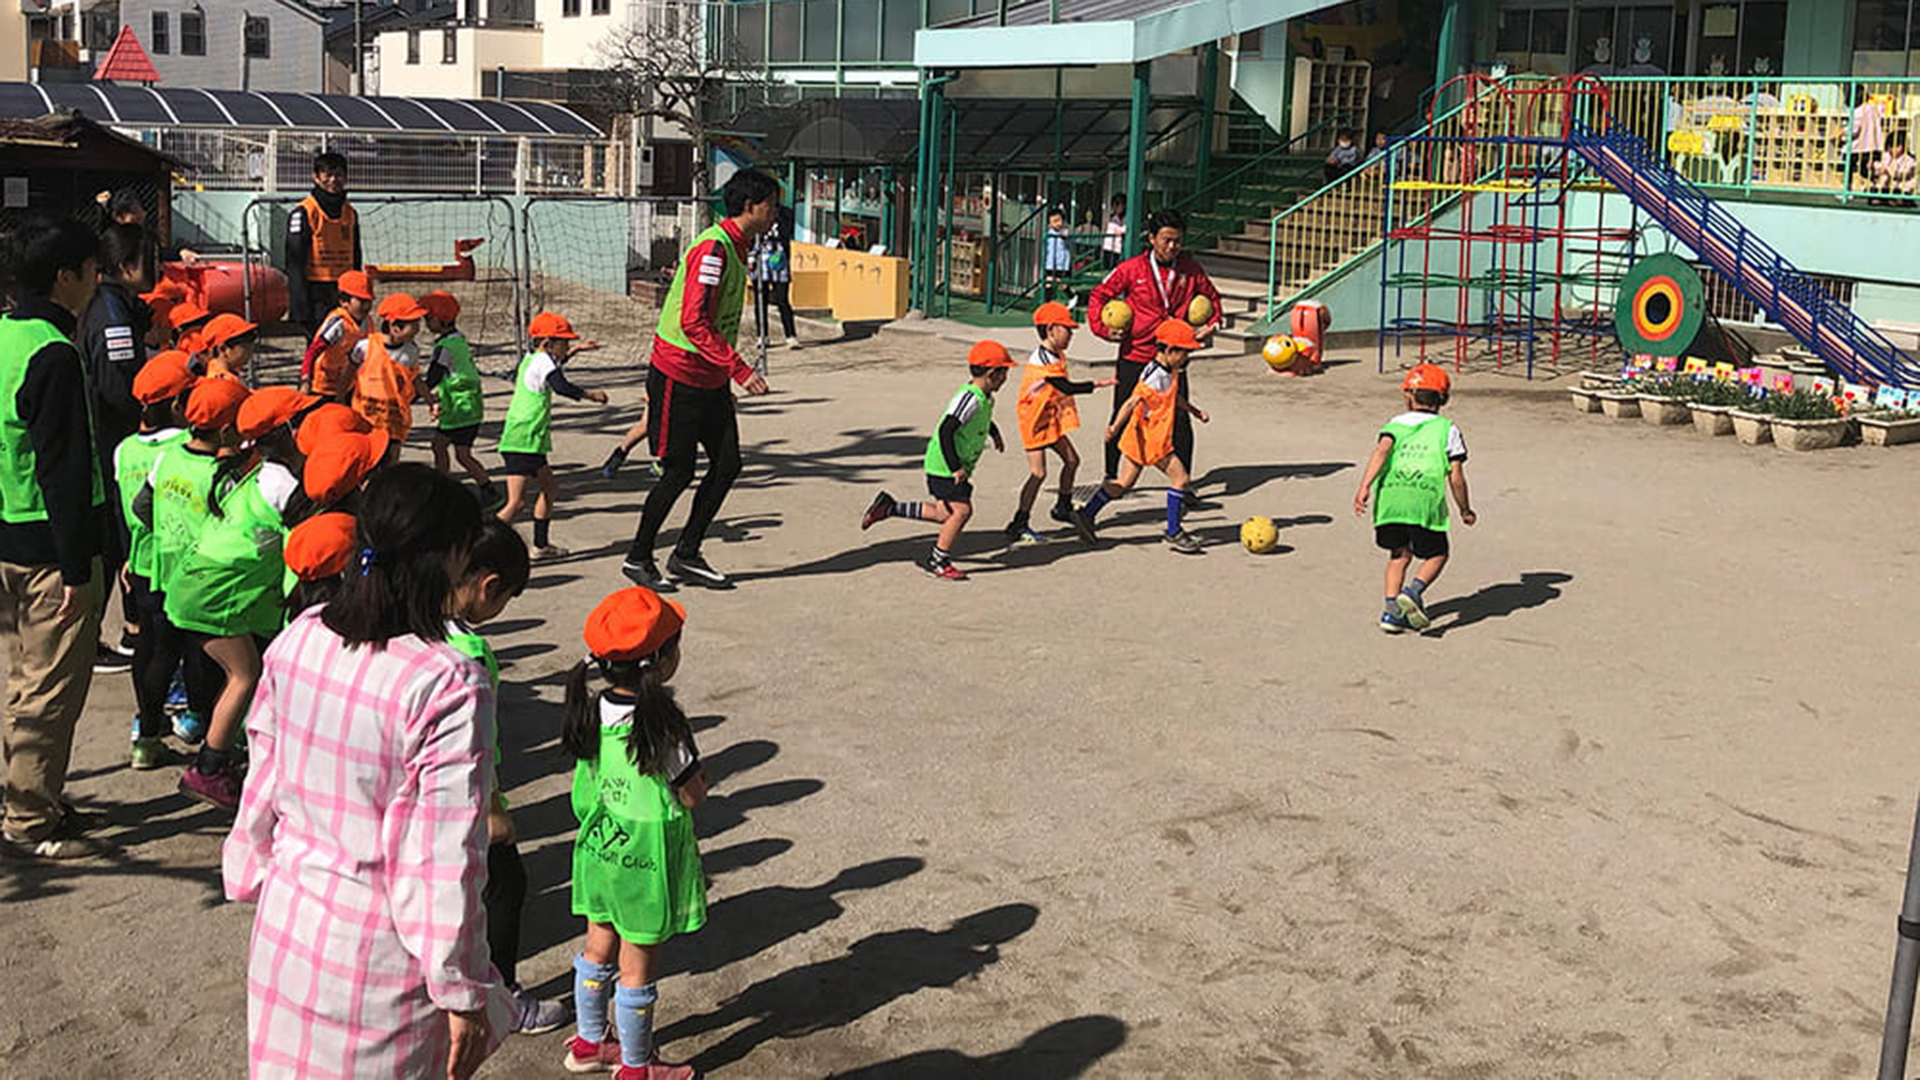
(296, 58)
(476, 51)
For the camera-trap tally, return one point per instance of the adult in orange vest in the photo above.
(389, 370)
(323, 242)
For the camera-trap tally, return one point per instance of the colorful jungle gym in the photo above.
(1487, 254)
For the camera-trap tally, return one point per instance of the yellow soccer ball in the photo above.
(1280, 352)
(1259, 535)
(1199, 310)
(1116, 314)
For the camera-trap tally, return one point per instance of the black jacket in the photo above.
(52, 402)
(113, 346)
(299, 250)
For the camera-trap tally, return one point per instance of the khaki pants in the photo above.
(46, 689)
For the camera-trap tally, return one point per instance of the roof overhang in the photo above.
(1083, 36)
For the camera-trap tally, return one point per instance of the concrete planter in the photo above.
(1619, 406)
(1584, 399)
(1712, 420)
(1661, 411)
(1809, 434)
(1889, 430)
(1599, 380)
(1752, 429)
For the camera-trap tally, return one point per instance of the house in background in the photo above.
(224, 45)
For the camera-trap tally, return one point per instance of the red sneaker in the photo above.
(221, 789)
(585, 1057)
(877, 511)
(945, 571)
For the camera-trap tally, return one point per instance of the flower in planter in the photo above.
(1801, 405)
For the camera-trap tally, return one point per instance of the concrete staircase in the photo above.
(1242, 304)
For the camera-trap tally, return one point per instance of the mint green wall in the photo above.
(1817, 40)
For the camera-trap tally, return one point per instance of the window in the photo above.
(569, 8)
(449, 46)
(1748, 37)
(1883, 38)
(860, 31)
(158, 42)
(603, 7)
(257, 37)
(819, 44)
(193, 33)
(413, 46)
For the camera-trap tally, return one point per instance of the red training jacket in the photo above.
(714, 360)
(1133, 281)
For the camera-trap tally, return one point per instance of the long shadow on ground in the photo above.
(1535, 588)
(1056, 1052)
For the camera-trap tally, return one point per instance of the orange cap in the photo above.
(632, 623)
(1053, 313)
(215, 403)
(1176, 334)
(988, 354)
(164, 376)
(268, 408)
(186, 313)
(355, 283)
(441, 305)
(320, 546)
(224, 328)
(1427, 377)
(342, 465)
(325, 422)
(548, 325)
(399, 307)
(168, 290)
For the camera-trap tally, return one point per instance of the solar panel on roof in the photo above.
(457, 115)
(408, 115)
(303, 111)
(136, 104)
(249, 110)
(355, 112)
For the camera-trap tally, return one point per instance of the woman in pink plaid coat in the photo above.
(362, 834)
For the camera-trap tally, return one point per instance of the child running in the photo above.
(228, 343)
(527, 437)
(1144, 430)
(1419, 457)
(327, 367)
(951, 455)
(1047, 415)
(161, 388)
(387, 370)
(636, 865)
(460, 404)
(228, 588)
(497, 572)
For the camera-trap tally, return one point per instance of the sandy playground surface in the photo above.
(1638, 807)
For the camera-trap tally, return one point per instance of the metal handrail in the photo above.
(1194, 198)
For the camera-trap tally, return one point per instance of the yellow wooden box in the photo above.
(854, 284)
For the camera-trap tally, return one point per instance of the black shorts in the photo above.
(461, 436)
(1424, 543)
(521, 464)
(947, 489)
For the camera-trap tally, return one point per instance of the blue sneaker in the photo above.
(176, 696)
(1392, 623)
(1412, 610)
(190, 727)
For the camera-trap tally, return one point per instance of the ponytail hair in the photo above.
(412, 520)
(659, 724)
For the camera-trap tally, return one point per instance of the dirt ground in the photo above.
(1637, 807)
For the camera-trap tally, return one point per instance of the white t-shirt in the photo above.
(1456, 443)
(535, 376)
(278, 484)
(963, 406)
(1158, 379)
(406, 355)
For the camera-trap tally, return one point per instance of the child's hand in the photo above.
(694, 791)
(598, 397)
(1102, 384)
(1360, 503)
(1469, 516)
(1201, 415)
(756, 385)
(960, 476)
(583, 346)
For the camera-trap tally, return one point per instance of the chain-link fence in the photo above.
(264, 159)
(603, 263)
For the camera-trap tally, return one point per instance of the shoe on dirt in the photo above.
(1062, 513)
(1392, 624)
(1083, 524)
(586, 1057)
(111, 659)
(612, 465)
(532, 1016)
(693, 568)
(148, 754)
(1184, 542)
(646, 574)
(877, 511)
(190, 727)
(1412, 610)
(550, 552)
(219, 788)
(944, 570)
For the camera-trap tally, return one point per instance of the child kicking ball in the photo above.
(1144, 430)
(1047, 416)
(1419, 457)
(951, 455)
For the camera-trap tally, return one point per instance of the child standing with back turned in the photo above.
(636, 864)
(1419, 457)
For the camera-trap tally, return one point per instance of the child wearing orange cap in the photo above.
(1418, 458)
(459, 403)
(637, 878)
(317, 551)
(527, 436)
(175, 501)
(228, 342)
(1047, 415)
(387, 370)
(340, 465)
(161, 388)
(327, 367)
(951, 455)
(189, 320)
(227, 589)
(1144, 429)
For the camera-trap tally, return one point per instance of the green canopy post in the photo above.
(1209, 84)
(1137, 152)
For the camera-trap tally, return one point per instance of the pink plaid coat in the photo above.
(362, 839)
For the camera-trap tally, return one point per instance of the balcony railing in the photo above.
(1806, 136)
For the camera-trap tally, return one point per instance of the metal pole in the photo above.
(359, 52)
(1137, 153)
(1906, 968)
(953, 151)
(1209, 84)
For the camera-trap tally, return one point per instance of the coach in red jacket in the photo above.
(1157, 284)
